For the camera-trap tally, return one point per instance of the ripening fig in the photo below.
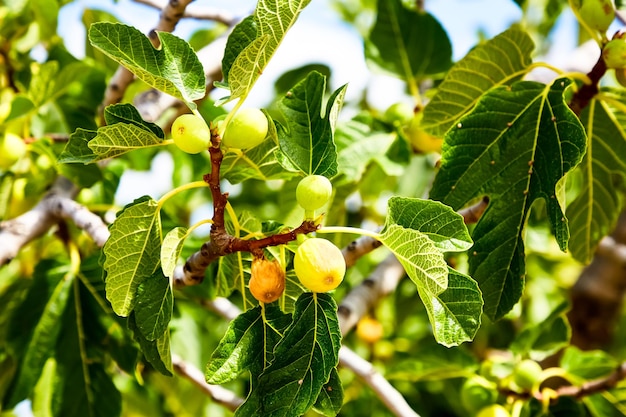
(267, 280)
(526, 374)
(597, 14)
(614, 53)
(191, 134)
(12, 148)
(319, 265)
(247, 129)
(313, 191)
(369, 330)
(399, 113)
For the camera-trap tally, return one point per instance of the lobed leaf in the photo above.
(499, 61)
(406, 43)
(303, 361)
(515, 147)
(422, 260)
(455, 313)
(309, 145)
(440, 223)
(132, 253)
(594, 211)
(174, 68)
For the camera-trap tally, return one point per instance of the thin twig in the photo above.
(200, 13)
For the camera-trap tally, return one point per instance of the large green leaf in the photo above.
(38, 322)
(127, 113)
(590, 364)
(157, 352)
(407, 43)
(515, 146)
(132, 253)
(153, 310)
(422, 260)
(303, 361)
(308, 145)
(454, 313)
(440, 223)
(174, 68)
(272, 20)
(593, 213)
(499, 61)
(247, 344)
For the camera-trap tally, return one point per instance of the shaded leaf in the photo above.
(132, 253)
(330, 400)
(587, 364)
(407, 43)
(153, 310)
(515, 146)
(77, 148)
(308, 145)
(173, 69)
(242, 35)
(593, 213)
(540, 340)
(127, 113)
(157, 352)
(499, 61)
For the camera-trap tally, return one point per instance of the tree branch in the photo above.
(200, 13)
(216, 392)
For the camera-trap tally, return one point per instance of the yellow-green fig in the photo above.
(597, 14)
(614, 53)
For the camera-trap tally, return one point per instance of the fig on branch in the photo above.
(369, 330)
(597, 14)
(477, 393)
(12, 148)
(247, 129)
(267, 280)
(191, 134)
(526, 374)
(399, 113)
(493, 410)
(614, 53)
(319, 265)
(313, 191)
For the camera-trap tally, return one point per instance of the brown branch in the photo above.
(216, 392)
(577, 391)
(358, 248)
(586, 92)
(473, 213)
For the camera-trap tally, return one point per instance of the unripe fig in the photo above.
(620, 76)
(477, 393)
(526, 373)
(369, 330)
(493, 410)
(614, 53)
(247, 129)
(597, 14)
(12, 148)
(399, 113)
(319, 265)
(313, 191)
(267, 280)
(191, 134)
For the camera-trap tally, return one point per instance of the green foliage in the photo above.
(92, 329)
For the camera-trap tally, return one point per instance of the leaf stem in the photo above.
(172, 193)
(351, 230)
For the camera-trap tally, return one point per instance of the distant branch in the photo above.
(217, 393)
(200, 13)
